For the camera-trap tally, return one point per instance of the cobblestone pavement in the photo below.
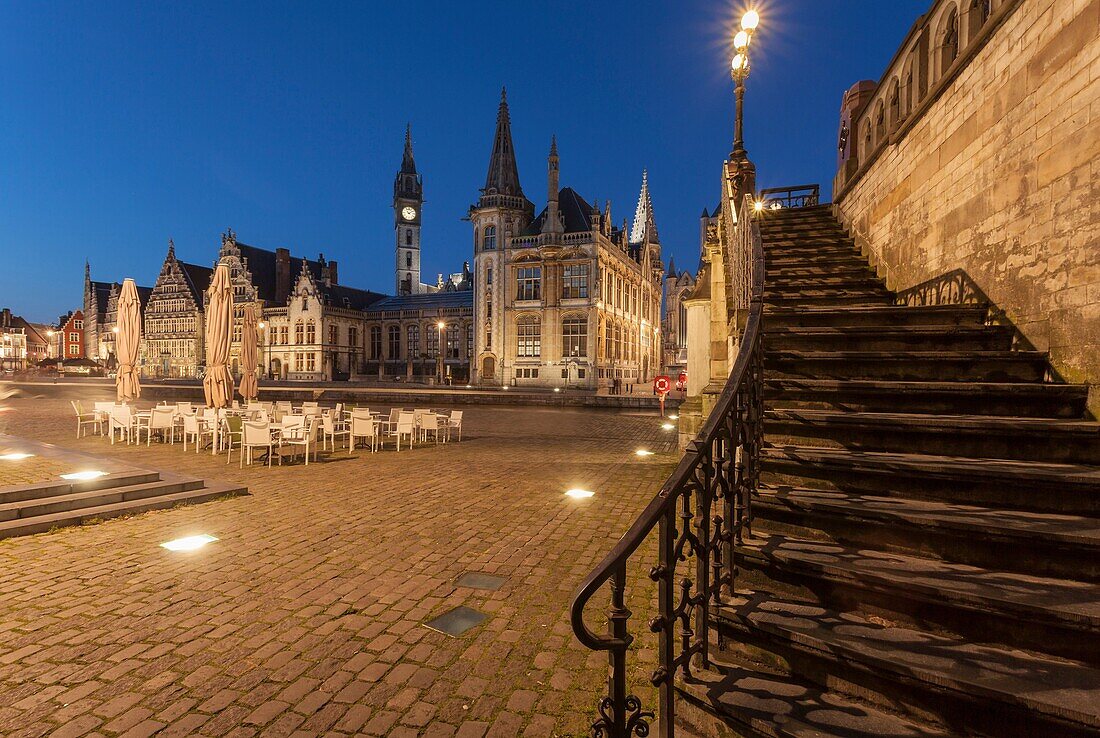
(306, 617)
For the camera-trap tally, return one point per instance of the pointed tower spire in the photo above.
(408, 164)
(553, 220)
(87, 271)
(503, 176)
(171, 249)
(672, 267)
(644, 225)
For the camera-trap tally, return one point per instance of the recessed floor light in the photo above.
(578, 494)
(667, 426)
(190, 543)
(15, 456)
(84, 476)
(643, 452)
(673, 417)
(557, 389)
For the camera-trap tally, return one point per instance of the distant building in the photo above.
(13, 341)
(564, 298)
(67, 342)
(678, 285)
(173, 319)
(100, 314)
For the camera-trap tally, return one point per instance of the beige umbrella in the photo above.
(218, 383)
(128, 342)
(250, 356)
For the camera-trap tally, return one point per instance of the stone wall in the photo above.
(993, 169)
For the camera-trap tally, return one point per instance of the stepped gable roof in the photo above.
(427, 301)
(198, 280)
(349, 297)
(575, 210)
(261, 264)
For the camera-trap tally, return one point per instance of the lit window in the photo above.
(529, 283)
(529, 337)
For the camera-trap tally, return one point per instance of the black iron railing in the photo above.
(799, 196)
(699, 515)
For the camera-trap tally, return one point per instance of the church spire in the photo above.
(408, 164)
(503, 176)
(644, 224)
(553, 220)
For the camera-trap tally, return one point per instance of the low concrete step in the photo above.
(1025, 399)
(939, 366)
(61, 487)
(45, 523)
(879, 338)
(96, 498)
(1040, 544)
(1023, 485)
(978, 436)
(877, 315)
(976, 688)
(763, 704)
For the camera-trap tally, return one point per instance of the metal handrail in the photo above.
(721, 468)
(798, 196)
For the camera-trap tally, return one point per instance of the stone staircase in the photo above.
(38, 508)
(925, 548)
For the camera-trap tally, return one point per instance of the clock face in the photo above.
(408, 213)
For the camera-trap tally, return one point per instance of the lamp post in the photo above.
(263, 347)
(739, 70)
(441, 326)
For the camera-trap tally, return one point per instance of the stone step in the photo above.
(806, 250)
(946, 398)
(775, 261)
(1024, 485)
(787, 273)
(45, 523)
(61, 487)
(772, 300)
(809, 292)
(793, 272)
(1021, 541)
(827, 281)
(881, 338)
(975, 688)
(878, 315)
(982, 366)
(975, 436)
(25, 509)
(763, 704)
(808, 229)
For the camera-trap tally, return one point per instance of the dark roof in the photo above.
(349, 297)
(577, 213)
(261, 263)
(102, 291)
(429, 301)
(143, 297)
(198, 280)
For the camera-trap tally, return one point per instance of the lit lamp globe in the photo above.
(741, 41)
(750, 20)
(739, 62)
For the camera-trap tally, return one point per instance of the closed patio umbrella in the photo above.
(218, 382)
(128, 342)
(250, 356)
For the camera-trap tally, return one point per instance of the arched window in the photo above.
(910, 93)
(412, 340)
(529, 336)
(299, 335)
(408, 260)
(949, 47)
(880, 123)
(408, 236)
(375, 342)
(394, 342)
(489, 238)
(311, 333)
(574, 336)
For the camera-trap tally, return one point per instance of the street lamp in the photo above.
(440, 325)
(739, 70)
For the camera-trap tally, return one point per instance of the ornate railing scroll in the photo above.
(701, 511)
(799, 196)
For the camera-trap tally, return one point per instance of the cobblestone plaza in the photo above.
(307, 616)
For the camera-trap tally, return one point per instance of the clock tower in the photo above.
(408, 197)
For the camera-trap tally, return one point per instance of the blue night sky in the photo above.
(122, 125)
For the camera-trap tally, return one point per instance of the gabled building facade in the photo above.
(564, 298)
(173, 319)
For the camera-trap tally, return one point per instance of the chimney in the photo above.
(282, 275)
(332, 272)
